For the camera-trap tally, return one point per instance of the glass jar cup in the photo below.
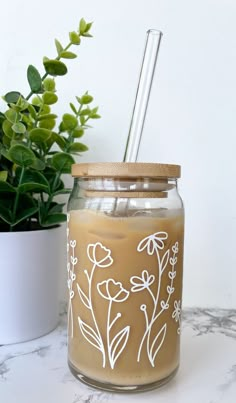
(125, 261)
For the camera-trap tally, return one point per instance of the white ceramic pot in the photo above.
(29, 279)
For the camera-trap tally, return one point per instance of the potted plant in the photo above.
(36, 149)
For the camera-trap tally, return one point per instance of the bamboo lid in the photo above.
(126, 170)
(126, 195)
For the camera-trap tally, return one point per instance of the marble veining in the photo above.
(37, 371)
(205, 321)
(231, 379)
(5, 362)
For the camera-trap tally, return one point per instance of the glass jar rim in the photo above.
(126, 170)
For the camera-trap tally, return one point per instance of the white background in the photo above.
(191, 115)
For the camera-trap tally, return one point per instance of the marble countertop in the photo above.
(36, 371)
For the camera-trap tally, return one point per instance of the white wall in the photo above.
(191, 116)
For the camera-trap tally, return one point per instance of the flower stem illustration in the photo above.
(71, 263)
(176, 315)
(71, 278)
(114, 292)
(101, 258)
(153, 244)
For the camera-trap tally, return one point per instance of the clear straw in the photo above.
(142, 95)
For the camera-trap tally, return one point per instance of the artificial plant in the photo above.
(36, 148)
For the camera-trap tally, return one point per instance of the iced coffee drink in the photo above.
(125, 285)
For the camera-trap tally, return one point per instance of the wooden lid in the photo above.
(126, 170)
(126, 195)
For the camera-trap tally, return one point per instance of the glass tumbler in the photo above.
(125, 261)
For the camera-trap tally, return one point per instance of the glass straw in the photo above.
(142, 95)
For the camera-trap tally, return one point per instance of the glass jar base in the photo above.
(109, 387)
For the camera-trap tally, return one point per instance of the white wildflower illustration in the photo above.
(99, 255)
(150, 283)
(71, 263)
(113, 292)
(143, 282)
(153, 244)
(176, 315)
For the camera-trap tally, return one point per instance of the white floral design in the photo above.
(99, 255)
(112, 291)
(112, 345)
(177, 311)
(175, 248)
(143, 282)
(176, 315)
(71, 263)
(153, 242)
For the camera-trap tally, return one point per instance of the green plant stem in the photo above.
(17, 197)
(70, 137)
(31, 92)
(50, 198)
(46, 74)
(79, 110)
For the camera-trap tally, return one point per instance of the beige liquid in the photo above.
(108, 321)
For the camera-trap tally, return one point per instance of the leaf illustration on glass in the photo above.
(89, 334)
(164, 305)
(118, 344)
(157, 343)
(72, 260)
(83, 297)
(165, 260)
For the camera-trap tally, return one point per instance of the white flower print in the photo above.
(112, 290)
(99, 255)
(140, 283)
(175, 247)
(152, 242)
(177, 311)
(155, 244)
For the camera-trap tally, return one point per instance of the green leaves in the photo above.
(12, 116)
(62, 162)
(24, 214)
(74, 38)
(47, 116)
(34, 79)
(85, 99)
(6, 187)
(33, 176)
(12, 97)
(49, 84)
(55, 67)
(6, 215)
(78, 132)
(38, 164)
(69, 121)
(7, 128)
(68, 55)
(77, 147)
(30, 164)
(19, 128)
(21, 155)
(40, 135)
(53, 219)
(84, 28)
(3, 176)
(59, 47)
(49, 98)
(61, 142)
